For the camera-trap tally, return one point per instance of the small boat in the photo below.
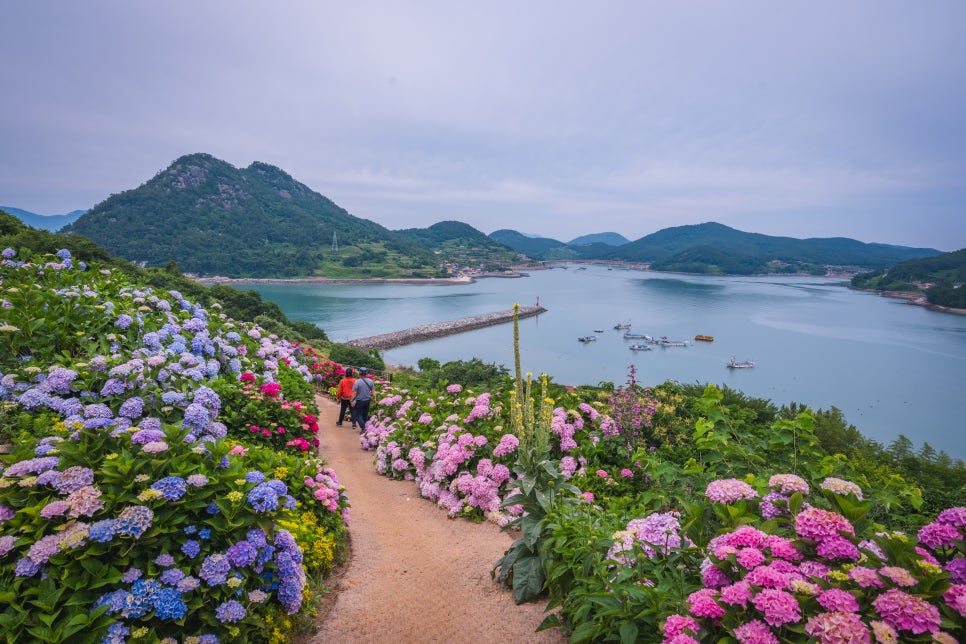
(598, 330)
(587, 338)
(704, 338)
(641, 347)
(634, 336)
(740, 364)
(622, 327)
(673, 343)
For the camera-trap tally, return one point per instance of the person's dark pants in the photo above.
(343, 407)
(360, 413)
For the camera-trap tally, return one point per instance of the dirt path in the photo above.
(415, 575)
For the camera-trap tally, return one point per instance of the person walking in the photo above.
(344, 394)
(362, 390)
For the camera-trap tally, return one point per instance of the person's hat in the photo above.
(363, 370)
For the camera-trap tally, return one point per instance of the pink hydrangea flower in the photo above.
(777, 606)
(898, 576)
(939, 535)
(729, 491)
(738, 594)
(626, 473)
(677, 625)
(788, 484)
(703, 604)
(956, 598)
(953, 516)
(907, 612)
(841, 486)
(838, 601)
(865, 577)
(755, 632)
(838, 628)
(817, 524)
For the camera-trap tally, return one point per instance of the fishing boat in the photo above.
(587, 338)
(641, 347)
(704, 338)
(622, 327)
(634, 336)
(740, 364)
(598, 330)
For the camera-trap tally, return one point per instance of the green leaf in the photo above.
(628, 631)
(527, 578)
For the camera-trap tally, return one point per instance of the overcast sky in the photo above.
(559, 118)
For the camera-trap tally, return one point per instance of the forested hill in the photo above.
(463, 245)
(535, 247)
(943, 278)
(215, 219)
(715, 248)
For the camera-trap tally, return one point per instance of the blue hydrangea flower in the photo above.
(230, 612)
(191, 547)
(214, 569)
(263, 498)
(168, 604)
(102, 531)
(171, 488)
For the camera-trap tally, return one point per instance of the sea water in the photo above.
(892, 368)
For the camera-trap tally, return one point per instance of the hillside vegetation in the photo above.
(215, 219)
(941, 278)
(713, 248)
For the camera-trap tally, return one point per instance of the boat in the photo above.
(634, 336)
(587, 338)
(704, 338)
(641, 347)
(740, 364)
(664, 342)
(622, 327)
(598, 330)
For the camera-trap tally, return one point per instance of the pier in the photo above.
(440, 329)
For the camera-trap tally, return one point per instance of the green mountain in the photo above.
(215, 219)
(44, 222)
(461, 244)
(707, 244)
(535, 247)
(610, 239)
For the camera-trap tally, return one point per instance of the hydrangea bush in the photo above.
(125, 512)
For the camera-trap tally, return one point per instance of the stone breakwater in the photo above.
(440, 329)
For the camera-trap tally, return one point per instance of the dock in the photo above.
(441, 329)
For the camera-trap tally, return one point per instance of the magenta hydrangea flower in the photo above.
(703, 604)
(907, 612)
(838, 548)
(729, 491)
(939, 535)
(777, 606)
(838, 628)
(677, 625)
(953, 516)
(454, 388)
(750, 558)
(956, 598)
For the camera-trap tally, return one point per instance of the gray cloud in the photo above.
(798, 119)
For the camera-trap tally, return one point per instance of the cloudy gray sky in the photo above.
(562, 118)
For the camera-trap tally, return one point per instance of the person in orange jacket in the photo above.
(344, 394)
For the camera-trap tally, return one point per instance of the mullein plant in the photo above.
(542, 483)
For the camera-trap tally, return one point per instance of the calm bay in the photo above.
(890, 367)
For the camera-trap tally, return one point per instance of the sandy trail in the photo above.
(414, 574)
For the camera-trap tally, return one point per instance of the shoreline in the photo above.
(915, 299)
(338, 281)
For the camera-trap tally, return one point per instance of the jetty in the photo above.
(440, 329)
